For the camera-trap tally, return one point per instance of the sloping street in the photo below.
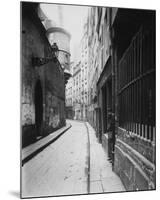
(74, 164)
(88, 107)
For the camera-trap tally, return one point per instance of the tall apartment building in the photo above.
(79, 79)
(99, 52)
(84, 72)
(77, 90)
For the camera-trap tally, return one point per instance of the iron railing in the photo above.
(136, 74)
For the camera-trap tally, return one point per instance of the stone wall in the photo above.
(50, 77)
(134, 161)
(54, 98)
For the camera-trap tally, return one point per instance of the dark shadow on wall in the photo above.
(38, 107)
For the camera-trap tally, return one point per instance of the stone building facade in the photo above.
(99, 53)
(43, 87)
(77, 90)
(84, 72)
(69, 99)
(69, 95)
(77, 86)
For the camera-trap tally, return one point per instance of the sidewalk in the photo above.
(102, 178)
(30, 151)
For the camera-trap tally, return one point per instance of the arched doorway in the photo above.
(38, 99)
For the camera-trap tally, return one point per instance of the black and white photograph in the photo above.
(87, 99)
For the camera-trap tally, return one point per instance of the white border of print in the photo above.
(10, 98)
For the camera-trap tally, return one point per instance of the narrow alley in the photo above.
(62, 168)
(88, 99)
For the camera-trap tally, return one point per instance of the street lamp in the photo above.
(38, 62)
(55, 50)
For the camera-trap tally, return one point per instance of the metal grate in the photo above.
(137, 85)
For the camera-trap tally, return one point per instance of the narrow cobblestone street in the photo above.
(62, 168)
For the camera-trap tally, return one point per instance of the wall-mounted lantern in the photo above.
(55, 50)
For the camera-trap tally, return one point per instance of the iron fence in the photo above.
(136, 74)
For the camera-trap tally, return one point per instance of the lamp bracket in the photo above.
(37, 61)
